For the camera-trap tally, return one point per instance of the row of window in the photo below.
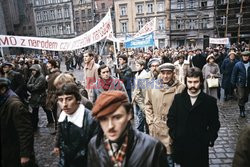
(140, 23)
(52, 14)
(190, 4)
(224, 19)
(141, 8)
(46, 2)
(54, 30)
(84, 13)
(190, 24)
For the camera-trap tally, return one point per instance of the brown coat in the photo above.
(90, 77)
(157, 104)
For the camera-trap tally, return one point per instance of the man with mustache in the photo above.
(119, 144)
(193, 122)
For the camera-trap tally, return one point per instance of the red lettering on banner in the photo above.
(4, 41)
(13, 40)
(22, 43)
(42, 44)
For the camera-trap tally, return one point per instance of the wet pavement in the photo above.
(221, 155)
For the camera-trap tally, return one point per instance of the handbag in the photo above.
(213, 82)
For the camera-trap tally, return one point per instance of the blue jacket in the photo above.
(239, 76)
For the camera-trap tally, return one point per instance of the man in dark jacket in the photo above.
(193, 122)
(75, 127)
(125, 74)
(241, 79)
(37, 87)
(16, 129)
(117, 143)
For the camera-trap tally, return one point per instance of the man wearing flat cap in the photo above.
(241, 79)
(16, 129)
(118, 144)
(157, 103)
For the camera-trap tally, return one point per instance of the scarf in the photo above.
(116, 156)
(105, 84)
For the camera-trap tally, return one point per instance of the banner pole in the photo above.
(2, 53)
(103, 46)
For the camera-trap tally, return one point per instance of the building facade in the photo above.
(233, 19)
(132, 15)
(192, 23)
(54, 18)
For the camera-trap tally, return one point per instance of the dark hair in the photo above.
(69, 89)
(124, 57)
(128, 107)
(102, 67)
(53, 63)
(194, 72)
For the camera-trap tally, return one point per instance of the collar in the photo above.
(76, 118)
(90, 64)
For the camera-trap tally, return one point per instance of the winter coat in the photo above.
(207, 70)
(181, 70)
(239, 77)
(125, 74)
(193, 128)
(242, 153)
(157, 103)
(226, 70)
(16, 132)
(51, 95)
(116, 84)
(142, 151)
(73, 141)
(37, 87)
(199, 61)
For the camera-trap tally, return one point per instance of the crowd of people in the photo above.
(138, 108)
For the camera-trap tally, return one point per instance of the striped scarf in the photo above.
(117, 157)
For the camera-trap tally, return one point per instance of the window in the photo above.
(191, 4)
(77, 14)
(52, 14)
(60, 29)
(24, 28)
(54, 30)
(139, 9)
(123, 10)
(83, 13)
(161, 24)
(224, 20)
(45, 15)
(160, 6)
(103, 5)
(203, 23)
(68, 29)
(36, 2)
(139, 24)
(50, 1)
(77, 27)
(150, 8)
(47, 31)
(124, 27)
(180, 4)
(178, 24)
(89, 12)
(40, 31)
(66, 12)
(30, 27)
(38, 16)
(59, 13)
(203, 4)
(222, 2)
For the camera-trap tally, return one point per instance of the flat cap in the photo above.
(167, 67)
(245, 53)
(7, 64)
(4, 82)
(108, 102)
(154, 60)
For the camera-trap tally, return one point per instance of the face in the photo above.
(121, 61)
(245, 58)
(232, 56)
(6, 69)
(181, 60)
(105, 74)
(193, 84)
(87, 58)
(138, 67)
(68, 103)
(167, 76)
(49, 66)
(211, 60)
(33, 72)
(154, 68)
(113, 125)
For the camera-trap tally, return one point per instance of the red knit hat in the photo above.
(108, 102)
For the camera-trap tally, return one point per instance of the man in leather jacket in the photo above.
(76, 127)
(118, 144)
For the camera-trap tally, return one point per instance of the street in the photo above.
(221, 155)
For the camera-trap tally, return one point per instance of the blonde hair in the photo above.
(62, 79)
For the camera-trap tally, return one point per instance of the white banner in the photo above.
(224, 41)
(97, 33)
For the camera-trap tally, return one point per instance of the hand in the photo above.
(24, 160)
(56, 151)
